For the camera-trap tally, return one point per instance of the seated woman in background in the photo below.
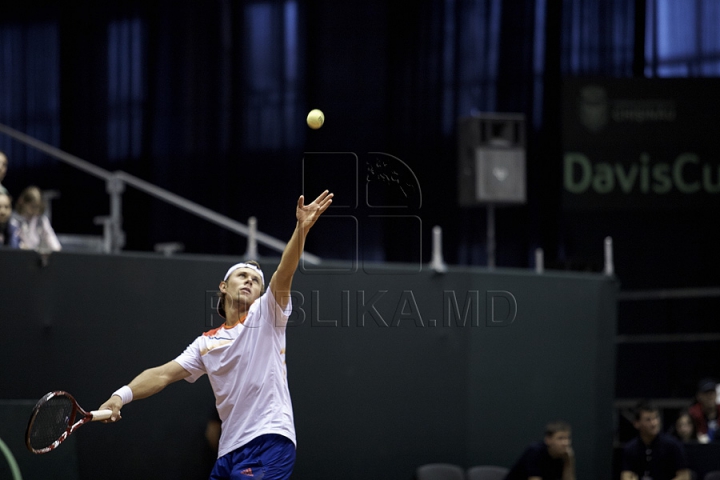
(684, 428)
(35, 230)
(9, 231)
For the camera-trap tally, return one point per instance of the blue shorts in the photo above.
(267, 457)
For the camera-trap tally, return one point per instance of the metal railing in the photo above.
(115, 186)
(668, 294)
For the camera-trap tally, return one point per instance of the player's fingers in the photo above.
(301, 201)
(115, 415)
(324, 206)
(322, 196)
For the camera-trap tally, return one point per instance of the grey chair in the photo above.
(714, 475)
(440, 471)
(487, 472)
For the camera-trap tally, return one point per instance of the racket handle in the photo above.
(100, 415)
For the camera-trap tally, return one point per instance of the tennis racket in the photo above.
(54, 418)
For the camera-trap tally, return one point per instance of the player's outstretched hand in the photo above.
(307, 215)
(114, 403)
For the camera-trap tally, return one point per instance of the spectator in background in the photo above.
(9, 231)
(3, 171)
(551, 459)
(653, 454)
(705, 412)
(36, 233)
(684, 428)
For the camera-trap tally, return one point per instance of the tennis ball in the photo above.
(315, 119)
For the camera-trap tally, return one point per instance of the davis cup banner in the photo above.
(641, 144)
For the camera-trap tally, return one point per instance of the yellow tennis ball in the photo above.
(315, 119)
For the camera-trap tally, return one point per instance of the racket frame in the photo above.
(73, 424)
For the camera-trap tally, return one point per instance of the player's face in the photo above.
(244, 285)
(5, 208)
(558, 443)
(648, 424)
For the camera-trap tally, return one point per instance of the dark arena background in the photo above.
(522, 229)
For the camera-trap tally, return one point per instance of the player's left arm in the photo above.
(307, 215)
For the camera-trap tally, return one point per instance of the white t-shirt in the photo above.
(246, 368)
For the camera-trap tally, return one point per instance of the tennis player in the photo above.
(245, 362)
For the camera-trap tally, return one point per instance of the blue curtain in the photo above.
(272, 83)
(126, 88)
(682, 38)
(29, 90)
(477, 48)
(598, 37)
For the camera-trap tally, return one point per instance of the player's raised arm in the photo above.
(307, 215)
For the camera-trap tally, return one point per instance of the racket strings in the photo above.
(51, 421)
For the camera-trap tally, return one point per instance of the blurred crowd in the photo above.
(25, 224)
(699, 422)
(654, 454)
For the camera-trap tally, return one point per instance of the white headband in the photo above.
(245, 265)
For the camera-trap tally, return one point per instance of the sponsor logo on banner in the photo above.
(641, 144)
(593, 108)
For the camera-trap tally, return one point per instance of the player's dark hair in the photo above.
(644, 406)
(556, 426)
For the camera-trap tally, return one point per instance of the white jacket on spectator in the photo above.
(36, 233)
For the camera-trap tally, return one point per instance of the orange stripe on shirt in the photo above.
(212, 332)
